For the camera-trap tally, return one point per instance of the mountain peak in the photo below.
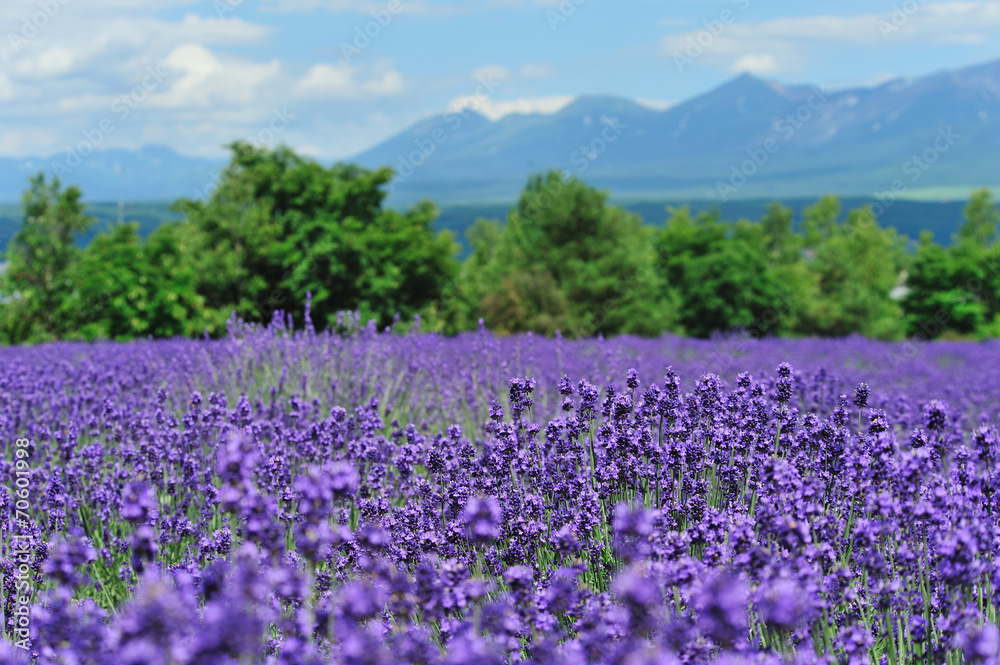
(746, 82)
(602, 104)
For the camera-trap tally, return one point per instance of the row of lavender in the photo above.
(377, 498)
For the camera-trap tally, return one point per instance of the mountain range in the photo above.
(748, 138)
(152, 173)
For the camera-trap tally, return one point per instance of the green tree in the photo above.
(278, 226)
(981, 218)
(937, 300)
(955, 291)
(856, 264)
(111, 287)
(459, 308)
(126, 287)
(726, 275)
(820, 220)
(41, 257)
(566, 260)
(778, 227)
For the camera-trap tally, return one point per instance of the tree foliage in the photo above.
(565, 260)
(955, 291)
(728, 276)
(279, 226)
(40, 260)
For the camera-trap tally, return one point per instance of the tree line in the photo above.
(279, 226)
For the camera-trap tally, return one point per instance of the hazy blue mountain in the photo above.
(758, 138)
(148, 214)
(748, 138)
(152, 173)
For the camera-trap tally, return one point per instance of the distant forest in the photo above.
(909, 218)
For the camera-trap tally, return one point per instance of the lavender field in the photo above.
(290, 497)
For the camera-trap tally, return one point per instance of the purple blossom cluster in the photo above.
(291, 497)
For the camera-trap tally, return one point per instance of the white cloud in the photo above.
(310, 150)
(51, 62)
(367, 7)
(82, 103)
(93, 56)
(494, 110)
(326, 80)
(340, 81)
(198, 78)
(14, 12)
(25, 141)
(390, 83)
(215, 30)
(116, 47)
(532, 71)
(6, 88)
(655, 104)
(756, 63)
(782, 45)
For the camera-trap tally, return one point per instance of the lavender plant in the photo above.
(359, 496)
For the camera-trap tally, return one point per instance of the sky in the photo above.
(331, 78)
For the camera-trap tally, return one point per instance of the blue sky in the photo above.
(197, 74)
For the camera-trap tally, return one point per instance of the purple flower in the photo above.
(632, 379)
(935, 415)
(855, 640)
(641, 597)
(144, 547)
(138, 502)
(482, 518)
(782, 603)
(518, 577)
(877, 422)
(343, 479)
(156, 626)
(980, 644)
(721, 605)
(520, 392)
(861, 395)
(66, 558)
(633, 531)
(357, 602)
